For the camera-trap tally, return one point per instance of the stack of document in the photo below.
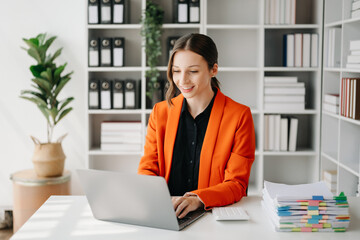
(305, 208)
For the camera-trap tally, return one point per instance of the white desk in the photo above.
(70, 217)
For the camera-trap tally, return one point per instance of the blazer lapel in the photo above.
(170, 133)
(210, 140)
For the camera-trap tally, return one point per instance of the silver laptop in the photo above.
(132, 199)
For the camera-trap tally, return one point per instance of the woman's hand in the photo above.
(184, 205)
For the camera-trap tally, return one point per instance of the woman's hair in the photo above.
(197, 43)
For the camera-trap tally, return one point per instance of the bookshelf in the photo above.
(248, 50)
(340, 146)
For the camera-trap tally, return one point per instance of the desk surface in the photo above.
(70, 217)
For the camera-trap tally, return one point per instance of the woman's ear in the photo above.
(214, 70)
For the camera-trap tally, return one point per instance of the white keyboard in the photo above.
(230, 213)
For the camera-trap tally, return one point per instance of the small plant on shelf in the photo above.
(152, 21)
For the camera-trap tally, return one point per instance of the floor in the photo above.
(6, 234)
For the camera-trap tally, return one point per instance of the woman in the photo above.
(201, 142)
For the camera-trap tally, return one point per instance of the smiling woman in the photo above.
(201, 141)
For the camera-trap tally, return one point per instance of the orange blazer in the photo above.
(227, 153)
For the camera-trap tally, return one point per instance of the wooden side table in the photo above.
(31, 191)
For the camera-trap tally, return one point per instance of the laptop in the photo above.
(132, 199)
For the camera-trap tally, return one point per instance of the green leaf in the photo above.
(63, 81)
(35, 100)
(36, 70)
(57, 73)
(32, 42)
(54, 112)
(36, 94)
(63, 114)
(35, 54)
(45, 112)
(48, 43)
(41, 38)
(45, 85)
(65, 103)
(56, 54)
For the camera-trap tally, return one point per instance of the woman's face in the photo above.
(191, 74)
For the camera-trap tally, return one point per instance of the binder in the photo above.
(170, 45)
(118, 94)
(181, 11)
(93, 11)
(106, 52)
(105, 94)
(118, 52)
(158, 91)
(120, 9)
(94, 52)
(105, 11)
(194, 11)
(130, 94)
(94, 94)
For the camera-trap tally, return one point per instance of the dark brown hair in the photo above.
(197, 43)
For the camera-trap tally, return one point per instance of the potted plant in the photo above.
(48, 81)
(152, 21)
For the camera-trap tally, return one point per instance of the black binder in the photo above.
(94, 94)
(158, 91)
(106, 52)
(105, 94)
(93, 11)
(170, 45)
(130, 94)
(120, 11)
(181, 8)
(105, 11)
(94, 52)
(118, 52)
(194, 11)
(118, 94)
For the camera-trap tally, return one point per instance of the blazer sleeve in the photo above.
(237, 171)
(149, 164)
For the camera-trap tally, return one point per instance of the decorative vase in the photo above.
(48, 159)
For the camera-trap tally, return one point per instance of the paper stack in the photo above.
(331, 103)
(353, 59)
(330, 179)
(121, 136)
(283, 93)
(305, 208)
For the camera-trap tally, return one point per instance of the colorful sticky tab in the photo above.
(313, 203)
(319, 225)
(313, 208)
(341, 197)
(313, 221)
(313, 212)
(306, 229)
(326, 225)
(317, 217)
(317, 198)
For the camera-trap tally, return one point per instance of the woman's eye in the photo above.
(193, 71)
(176, 71)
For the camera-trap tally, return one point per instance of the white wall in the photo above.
(19, 118)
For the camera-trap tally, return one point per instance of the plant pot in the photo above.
(48, 159)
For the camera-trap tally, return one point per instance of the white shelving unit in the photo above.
(340, 147)
(248, 51)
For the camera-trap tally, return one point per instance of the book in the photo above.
(290, 50)
(314, 49)
(271, 132)
(353, 65)
(266, 132)
(355, 13)
(336, 49)
(298, 62)
(293, 12)
(332, 98)
(355, 53)
(291, 85)
(284, 90)
(284, 98)
(330, 176)
(293, 134)
(331, 108)
(120, 126)
(306, 50)
(356, 96)
(353, 59)
(284, 134)
(277, 132)
(280, 79)
(126, 147)
(284, 106)
(355, 5)
(354, 45)
(121, 139)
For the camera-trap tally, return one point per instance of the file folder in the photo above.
(130, 94)
(105, 49)
(181, 11)
(105, 11)
(194, 11)
(170, 45)
(118, 52)
(94, 52)
(94, 94)
(158, 91)
(105, 94)
(118, 94)
(93, 11)
(119, 11)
